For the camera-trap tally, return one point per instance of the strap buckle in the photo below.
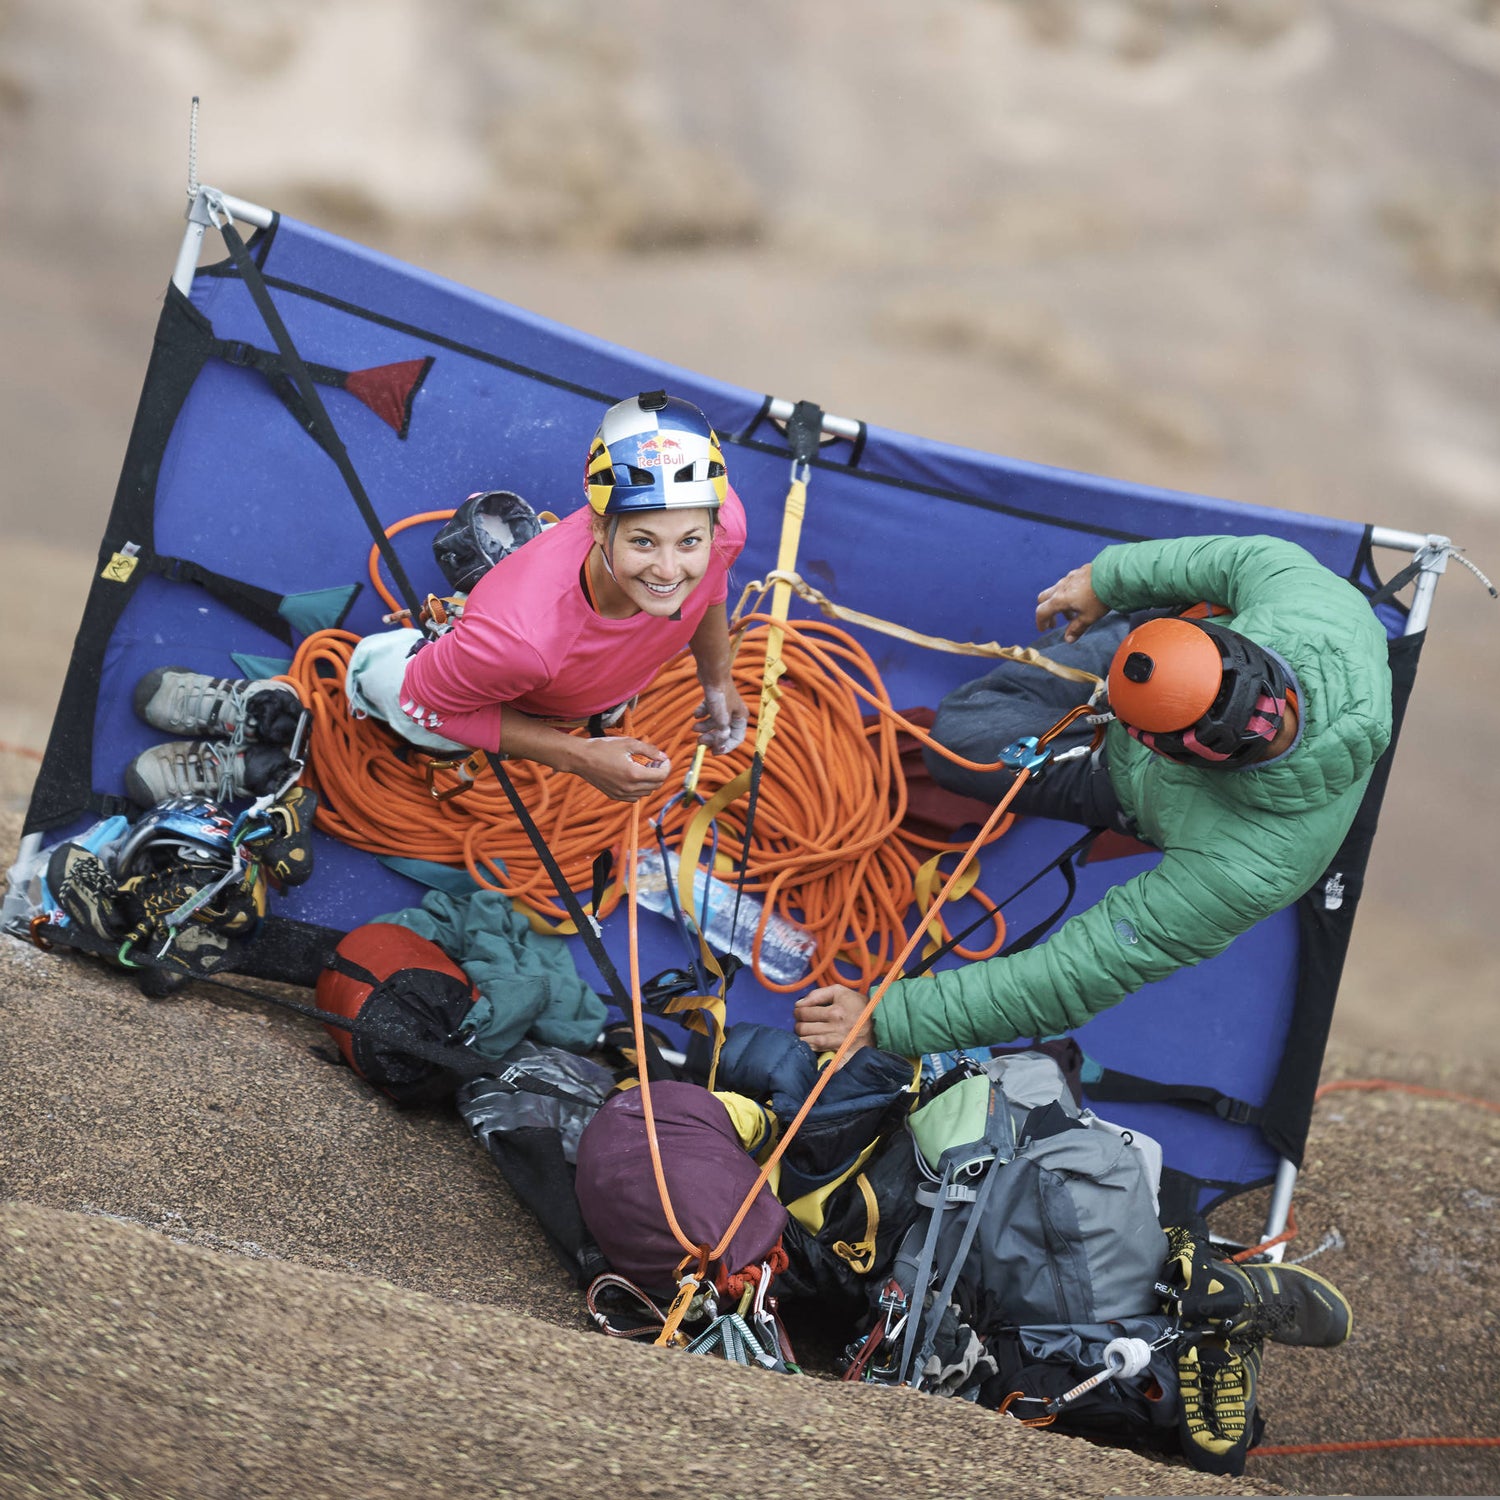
(1236, 1111)
(238, 352)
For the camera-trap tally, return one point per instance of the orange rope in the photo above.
(1373, 1085)
(847, 1045)
(1295, 1450)
(827, 852)
(404, 524)
(22, 750)
(1292, 1449)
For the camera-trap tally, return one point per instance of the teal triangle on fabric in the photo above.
(258, 668)
(318, 609)
(450, 878)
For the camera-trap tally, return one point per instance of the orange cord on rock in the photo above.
(1290, 1450)
(1296, 1450)
(827, 852)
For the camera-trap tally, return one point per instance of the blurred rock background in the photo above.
(1249, 248)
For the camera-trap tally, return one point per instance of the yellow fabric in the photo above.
(753, 1123)
(810, 1209)
(929, 881)
(861, 1254)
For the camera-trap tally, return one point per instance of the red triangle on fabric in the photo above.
(388, 389)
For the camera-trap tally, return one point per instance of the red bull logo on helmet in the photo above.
(659, 452)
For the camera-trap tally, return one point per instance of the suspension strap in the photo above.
(803, 430)
(322, 428)
(326, 433)
(1028, 655)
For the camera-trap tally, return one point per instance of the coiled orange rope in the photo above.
(827, 849)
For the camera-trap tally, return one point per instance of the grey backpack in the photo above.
(1044, 1212)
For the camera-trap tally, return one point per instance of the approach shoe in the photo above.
(1217, 1422)
(205, 768)
(192, 704)
(1288, 1305)
(1285, 1304)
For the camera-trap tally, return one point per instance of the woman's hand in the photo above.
(826, 1016)
(1072, 597)
(622, 768)
(721, 717)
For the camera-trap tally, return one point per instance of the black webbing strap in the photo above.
(247, 357)
(328, 438)
(261, 607)
(1388, 591)
(322, 428)
(1063, 861)
(1115, 1087)
(581, 919)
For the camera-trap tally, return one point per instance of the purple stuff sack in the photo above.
(708, 1174)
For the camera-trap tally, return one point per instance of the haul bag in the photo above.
(402, 985)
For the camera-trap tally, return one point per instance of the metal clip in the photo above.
(467, 768)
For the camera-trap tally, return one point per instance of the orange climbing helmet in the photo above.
(1197, 692)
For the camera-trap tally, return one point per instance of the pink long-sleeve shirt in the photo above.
(529, 638)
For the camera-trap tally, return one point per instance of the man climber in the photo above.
(1241, 748)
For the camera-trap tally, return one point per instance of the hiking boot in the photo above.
(182, 702)
(1217, 1423)
(205, 768)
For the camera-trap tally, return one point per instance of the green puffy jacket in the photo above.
(1237, 845)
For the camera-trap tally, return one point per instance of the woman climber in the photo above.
(563, 632)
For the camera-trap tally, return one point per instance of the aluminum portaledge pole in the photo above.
(1431, 552)
(199, 220)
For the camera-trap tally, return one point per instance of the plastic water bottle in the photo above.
(786, 951)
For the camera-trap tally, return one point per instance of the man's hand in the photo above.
(826, 1016)
(721, 717)
(623, 768)
(1072, 597)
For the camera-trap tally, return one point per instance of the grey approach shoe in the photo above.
(182, 702)
(205, 768)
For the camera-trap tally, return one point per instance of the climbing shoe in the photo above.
(205, 768)
(1218, 1425)
(1286, 1304)
(86, 892)
(181, 702)
(284, 844)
